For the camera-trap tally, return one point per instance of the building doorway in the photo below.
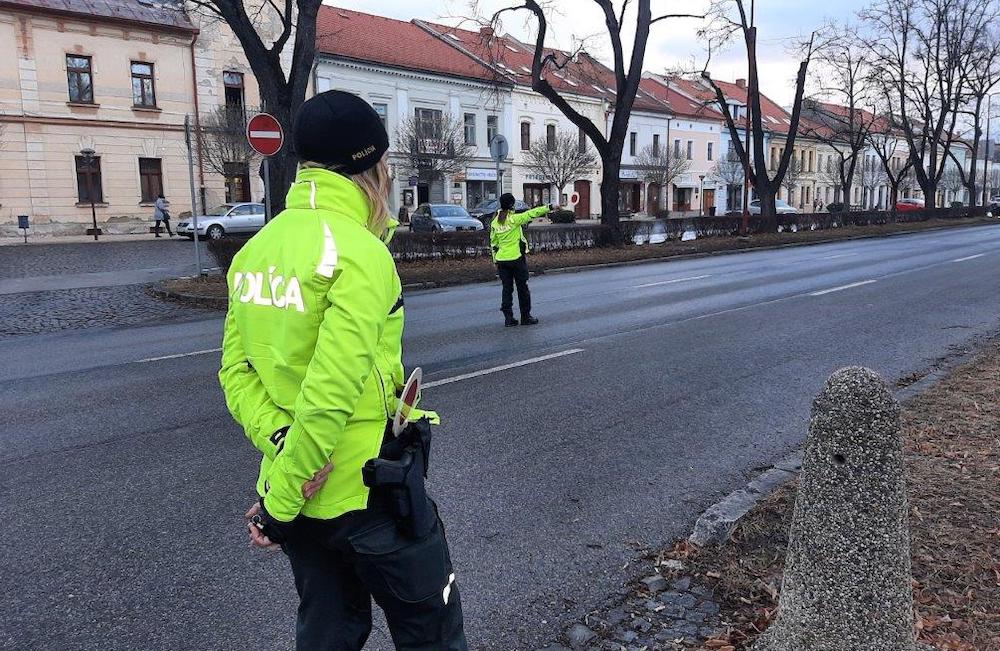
(582, 209)
(630, 197)
(237, 182)
(653, 205)
(708, 201)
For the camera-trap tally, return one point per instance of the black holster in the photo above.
(397, 477)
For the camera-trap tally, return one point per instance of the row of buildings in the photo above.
(119, 77)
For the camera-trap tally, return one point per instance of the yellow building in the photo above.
(117, 77)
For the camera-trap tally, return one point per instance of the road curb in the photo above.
(718, 521)
(160, 291)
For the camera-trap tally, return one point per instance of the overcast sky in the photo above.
(781, 23)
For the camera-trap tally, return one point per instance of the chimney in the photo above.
(741, 83)
(486, 31)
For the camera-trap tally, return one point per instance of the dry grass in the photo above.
(952, 435)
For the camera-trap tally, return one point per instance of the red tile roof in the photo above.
(680, 104)
(364, 37)
(165, 13)
(583, 75)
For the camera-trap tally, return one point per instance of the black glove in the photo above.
(275, 530)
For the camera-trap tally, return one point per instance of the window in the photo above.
(525, 136)
(550, 137)
(150, 179)
(491, 128)
(656, 144)
(233, 81)
(633, 138)
(383, 113)
(583, 141)
(677, 149)
(428, 123)
(470, 128)
(143, 93)
(690, 150)
(80, 77)
(710, 153)
(88, 180)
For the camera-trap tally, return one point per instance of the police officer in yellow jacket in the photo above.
(311, 368)
(509, 247)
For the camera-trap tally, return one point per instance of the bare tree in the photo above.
(793, 177)
(434, 146)
(561, 160)
(265, 29)
(841, 70)
(729, 172)
(983, 75)
(873, 176)
(723, 27)
(893, 154)
(922, 51)
(224, 140)
(952, 181)
(620, 19)
(657, 165)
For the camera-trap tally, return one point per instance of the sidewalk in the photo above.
(79, 239)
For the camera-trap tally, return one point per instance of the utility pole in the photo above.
(88, 160)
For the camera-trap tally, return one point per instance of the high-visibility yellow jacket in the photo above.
(506, 239)
(313, 342)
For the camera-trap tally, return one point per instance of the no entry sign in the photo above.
(264, 134)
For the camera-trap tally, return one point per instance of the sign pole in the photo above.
(267, 189)
(265, 135)
(194, 205)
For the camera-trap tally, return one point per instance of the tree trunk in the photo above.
(610, 192)
(929, 188)
(768, 210)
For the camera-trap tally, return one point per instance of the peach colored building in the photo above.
(117, 77)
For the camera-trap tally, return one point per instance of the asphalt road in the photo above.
(661, 388)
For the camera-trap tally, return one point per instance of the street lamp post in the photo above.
(701, 195)
(88, 159)
(989, 150)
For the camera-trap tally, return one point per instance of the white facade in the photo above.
(539, 114)
(399, 94)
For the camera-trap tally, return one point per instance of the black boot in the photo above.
(528, 320)
(508, 319)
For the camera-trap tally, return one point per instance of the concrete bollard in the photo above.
(846, 583)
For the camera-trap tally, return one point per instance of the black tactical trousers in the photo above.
(340, 565)
(511, 272)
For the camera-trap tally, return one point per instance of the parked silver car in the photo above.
(229, 218)
(432, 217)
(782, 207)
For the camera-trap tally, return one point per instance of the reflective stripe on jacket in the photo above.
(506, 238)
(313, 343)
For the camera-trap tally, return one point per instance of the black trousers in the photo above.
(166, 222)
(515, 272)
(340, 565)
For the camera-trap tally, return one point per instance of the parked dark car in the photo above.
(906, 205)
(442, 217)
(487, 210)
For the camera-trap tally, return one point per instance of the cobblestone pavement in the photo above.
(38, 312)
(57, 259)
(657, 614)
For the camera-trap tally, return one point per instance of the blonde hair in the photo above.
(376, 184)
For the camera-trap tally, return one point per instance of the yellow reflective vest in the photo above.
(313, 343)
(506, 239)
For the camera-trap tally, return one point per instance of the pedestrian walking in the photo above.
(311, 368)
(161, 213)
(510, 247)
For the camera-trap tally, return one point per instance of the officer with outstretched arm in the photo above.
(311, 368)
